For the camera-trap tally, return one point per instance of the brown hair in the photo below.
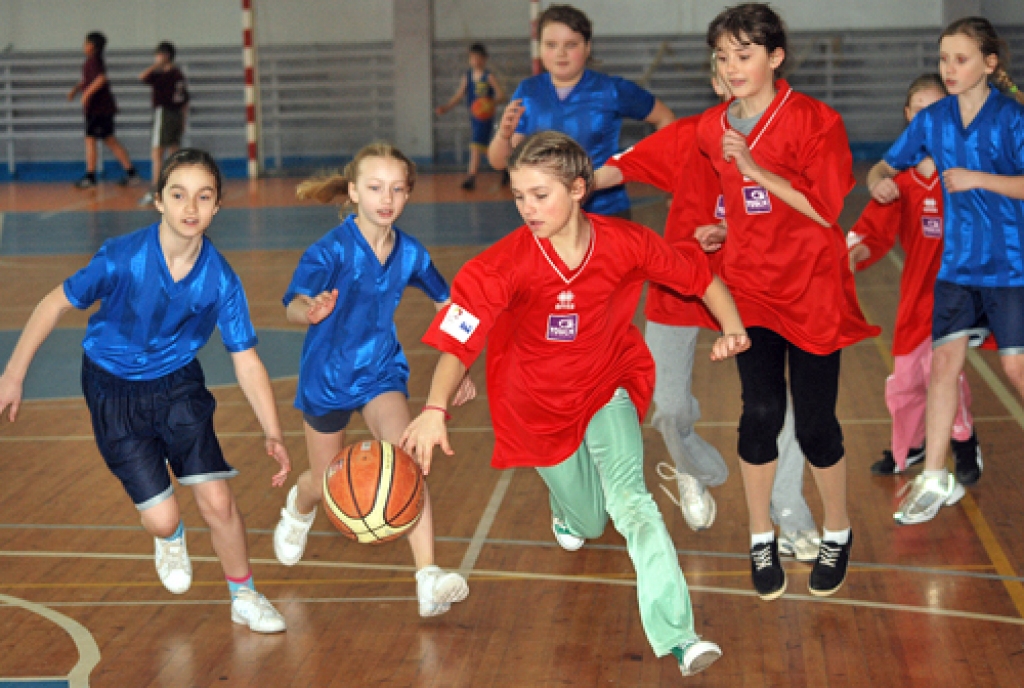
(188, 157)
(989, 43)
(568, 15)
(925, 82)
(754, 20)
(557, 154)
(327, 187)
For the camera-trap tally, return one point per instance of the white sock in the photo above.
(839, 537)
(761, 538)
(941, 474)
(293, 509)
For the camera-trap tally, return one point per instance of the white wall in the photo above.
(1004, 11)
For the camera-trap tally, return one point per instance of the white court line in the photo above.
(483, 527)
(88, 650)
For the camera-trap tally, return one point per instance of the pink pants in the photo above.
(906, 395)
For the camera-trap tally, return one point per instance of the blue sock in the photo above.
(234, 584)
(178, 534)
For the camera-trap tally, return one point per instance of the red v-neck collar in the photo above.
(782, 93)
(555, 261)
(922, 181)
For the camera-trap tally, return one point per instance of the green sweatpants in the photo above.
(605, 478)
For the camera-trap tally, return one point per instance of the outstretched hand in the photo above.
(10, 395)
(278, 452)
(321, 306)
(510, 118)
(728, 345)
(425, 432)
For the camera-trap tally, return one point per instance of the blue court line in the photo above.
(247, 229)
(57, 368)
(33, 683)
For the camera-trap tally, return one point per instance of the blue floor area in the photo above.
(246, 229)
(57, 368)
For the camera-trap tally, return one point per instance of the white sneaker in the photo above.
(802, 545)
(249, 608)
(927, 496)
(292, 530)
(568, 540)
(696, 503)
(437, 589)
(173, 565)
(698, 657)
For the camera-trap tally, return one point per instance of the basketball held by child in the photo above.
(482, 109)
(373, 492)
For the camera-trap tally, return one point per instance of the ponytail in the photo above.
(327, 187)
(1001, 79)
(324, 188)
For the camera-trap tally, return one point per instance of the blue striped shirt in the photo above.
(148, 325)
(353, 354)
(984, 231)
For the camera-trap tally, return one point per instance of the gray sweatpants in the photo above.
(676, 411)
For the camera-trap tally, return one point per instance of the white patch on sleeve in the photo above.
(459, 323)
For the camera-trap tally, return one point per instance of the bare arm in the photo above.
(959, 179)
(459, 95)
(880, 183)
(607, 176)
(305, 310)
(506, 139)
(734, 337)
(39, 326)
(428, 429)
(145, 74)
(660, 115)
(255, 383)
(96, 85)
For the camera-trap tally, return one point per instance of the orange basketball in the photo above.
(373, 492)
(482, 108)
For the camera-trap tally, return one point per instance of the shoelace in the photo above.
(173, 554)
(762, 558)
(667, 471)
(258, 602)
(828, 554)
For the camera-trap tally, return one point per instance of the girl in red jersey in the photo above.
(784, 165)
(569, 377)
(916, 217)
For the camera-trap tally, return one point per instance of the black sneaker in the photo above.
(969, 464)
(829, 570)
(766, 571)
(887, 464)
(469, 184)
(86, 182)
(132, 178)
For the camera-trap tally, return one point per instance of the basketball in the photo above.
(482, 108)
(373, 492)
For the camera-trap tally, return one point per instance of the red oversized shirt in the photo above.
(669, 160)
(786, 272)
(560, 341)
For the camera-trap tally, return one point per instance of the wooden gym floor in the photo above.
(940, 604)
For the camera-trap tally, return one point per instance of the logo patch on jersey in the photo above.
(720, 207)
(931, 205)
(563, 328)
(757, 200)
(459, 323)
(565, 301)
(931, 227)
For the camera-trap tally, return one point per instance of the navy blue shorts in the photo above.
(974, 312)
(144, 427)
(99, 126)
(482, 129)
(331, 422)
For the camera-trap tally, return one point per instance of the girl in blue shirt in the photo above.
(976, 138)
(346, 289)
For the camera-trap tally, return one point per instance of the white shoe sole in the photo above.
(702, 661)
(955, 496)
(242, 621)
(455, 590)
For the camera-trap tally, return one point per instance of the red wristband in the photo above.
(447, 416)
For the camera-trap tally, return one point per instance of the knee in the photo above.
(217, 505)
(163, 526)
(759, 430)
(675, 412)
(634, 511)
(821, 442)
(1013, 366)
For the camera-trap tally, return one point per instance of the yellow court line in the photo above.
(988, 539)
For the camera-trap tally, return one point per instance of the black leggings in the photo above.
(814, 384)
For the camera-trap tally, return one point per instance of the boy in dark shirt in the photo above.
(170, 105)
(100, 107)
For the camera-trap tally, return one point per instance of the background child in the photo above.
(784, 165)
(667, 160)
(916, 218)
(568, 374)
(568, 97)
(162, 290)
(170, 106)
(346, 289)
(976, 139)
(100, 107)
(482, 92)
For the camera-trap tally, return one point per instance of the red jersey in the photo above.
(786, 272)
(560, 341)
(667, 160)
(916, 218)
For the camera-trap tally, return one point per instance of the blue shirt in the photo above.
(984, 231)
(148, 325)
(592, 115)
(353, 354)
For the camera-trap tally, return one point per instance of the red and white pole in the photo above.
(534, 38)
(249, 62)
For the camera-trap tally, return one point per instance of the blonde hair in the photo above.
(557, 154)
(327, 187)
(989, 43)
